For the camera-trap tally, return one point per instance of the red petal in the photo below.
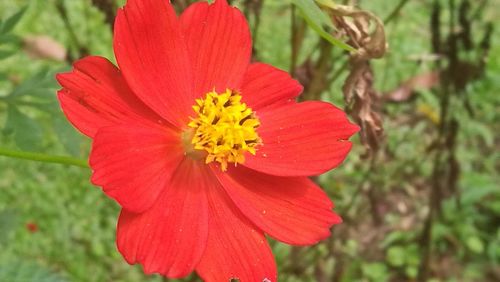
(133, 163)
(264, 86)
(95, 94)
(301, 139)
(152, 55)
(293, 210)
(235, 247)
(170, 237)
(219, 45)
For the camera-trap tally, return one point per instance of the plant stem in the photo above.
(293, 39)
(396, 11)
(108, 8)
(81, 49)
(39, 157)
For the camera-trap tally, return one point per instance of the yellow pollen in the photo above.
(225, 128)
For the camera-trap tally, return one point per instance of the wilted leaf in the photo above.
(429, 112)
(362, 102)
(317, 20)
(12, 21)
(361, 97)
(44, 47)
(27, 133)
(369, 44)
(429, 106)
(407, 88)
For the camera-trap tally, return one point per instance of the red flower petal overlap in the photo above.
(179, 214)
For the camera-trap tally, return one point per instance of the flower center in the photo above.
(225, 128)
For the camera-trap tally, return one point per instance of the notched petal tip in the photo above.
(151, 52)
(219, 42)
(220, 2)
(356, 128)
(60, 77)
(302, 139)
(351, 128)
(293, 210)
(267, 86)
(163, 239)
(337, 219)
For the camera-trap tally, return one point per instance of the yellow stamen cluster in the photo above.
(225, 128)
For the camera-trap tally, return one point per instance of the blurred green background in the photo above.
(423, 205)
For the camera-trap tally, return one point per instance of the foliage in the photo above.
(384, 200)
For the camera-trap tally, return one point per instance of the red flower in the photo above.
(205, 151)
(32, 227)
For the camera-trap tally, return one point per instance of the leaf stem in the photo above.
(39, 157)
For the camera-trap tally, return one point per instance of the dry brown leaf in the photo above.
(366, 33)
(370, 43)
(362, 102)
(406, 90)
(44, 47)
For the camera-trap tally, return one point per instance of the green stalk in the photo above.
(39, 157)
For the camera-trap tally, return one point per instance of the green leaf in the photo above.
(478, 187)
(12, 21)
(483, 131)
(27, 133)
(68, 136)
(10, 39)
(375, 271)
(396, 256)
(411, 271)
(4, 54)
(312, 11)
(41, 84)
(475, 244)
(8, 221)
(395, 237)
(26, 271)
(493, 250)
(318, 20)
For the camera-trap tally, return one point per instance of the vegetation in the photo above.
(419, 193)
